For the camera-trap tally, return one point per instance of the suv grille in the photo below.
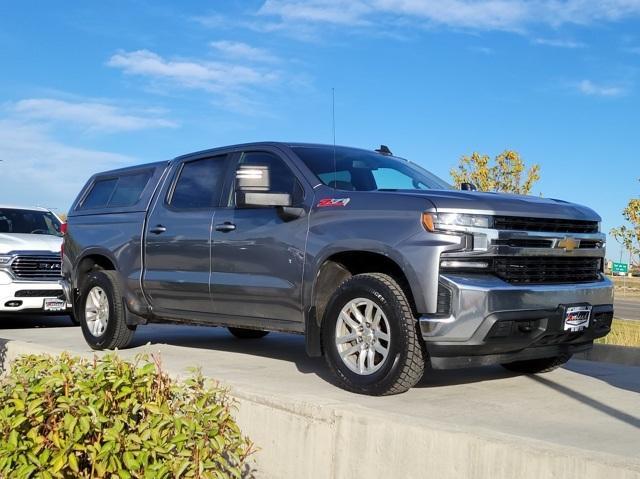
(551, 225)
(39, 293)
(40, 267)
(552, 269)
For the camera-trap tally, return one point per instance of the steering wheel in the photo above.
(39, 232)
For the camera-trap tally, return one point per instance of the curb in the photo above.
(325, 439)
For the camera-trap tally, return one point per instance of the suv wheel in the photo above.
(243, 333)
(369, 337)
(101, 312)
(535, 366)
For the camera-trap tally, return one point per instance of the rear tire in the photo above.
(369, 337)
(113, 331)
(242, 333)
(536, 366)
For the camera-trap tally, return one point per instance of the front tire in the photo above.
(369, 337)
(242, 333)
(101, 312)
(536, 366)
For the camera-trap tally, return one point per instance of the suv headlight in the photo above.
(5, 260)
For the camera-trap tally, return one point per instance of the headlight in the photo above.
(443, 221)
(458, 219)
(5, 260)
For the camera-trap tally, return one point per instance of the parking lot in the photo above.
(585, 411)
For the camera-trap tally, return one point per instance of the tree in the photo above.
(629, 236)
(506, 174)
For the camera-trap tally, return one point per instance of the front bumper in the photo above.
(492, 321)
(27, 296)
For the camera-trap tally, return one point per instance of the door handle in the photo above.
(158, 229)
(225, 227)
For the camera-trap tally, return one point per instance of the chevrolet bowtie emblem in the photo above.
(569, 244)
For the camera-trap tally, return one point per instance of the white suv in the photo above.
(30, 241)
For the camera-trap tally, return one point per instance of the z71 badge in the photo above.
(326, 202)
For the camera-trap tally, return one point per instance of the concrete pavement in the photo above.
(627, 308)
(580, 421)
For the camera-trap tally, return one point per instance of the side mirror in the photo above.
(253, 183)
(468, 187)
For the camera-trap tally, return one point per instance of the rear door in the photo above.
(178, 238)
(258, 256)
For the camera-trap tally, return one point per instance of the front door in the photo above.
(258, 256)
(178, 238)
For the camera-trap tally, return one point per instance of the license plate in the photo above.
(576, 318)
(54, 304)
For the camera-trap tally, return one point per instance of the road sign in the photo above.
(620, 267)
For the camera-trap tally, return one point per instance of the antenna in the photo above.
(333, 122)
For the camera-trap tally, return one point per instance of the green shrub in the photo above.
(65, 417)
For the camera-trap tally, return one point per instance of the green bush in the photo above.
(65, 417)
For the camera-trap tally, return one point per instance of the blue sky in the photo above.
(88, 86)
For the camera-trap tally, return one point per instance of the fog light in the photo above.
(13, 304)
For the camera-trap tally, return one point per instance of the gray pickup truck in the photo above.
(382, 266)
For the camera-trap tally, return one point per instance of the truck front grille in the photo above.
(552, 225)
(552, 269)
(542, 243)
(42, 267)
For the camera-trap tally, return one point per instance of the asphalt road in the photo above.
(627, 308)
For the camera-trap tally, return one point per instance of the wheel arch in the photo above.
(337, 267)
(91, 260)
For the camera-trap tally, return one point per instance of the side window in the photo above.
(199, 183)
(282, 179)
(100, 193)
(129, 189)
(122, 191)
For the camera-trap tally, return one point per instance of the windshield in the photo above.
(29, 222)
(361, 170)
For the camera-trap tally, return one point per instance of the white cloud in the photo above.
(37, 169)
(233, 85)
(483, 50)
(587, 87)
(509, 15)
(243, 51)
(213, 20)
(91, 115)
(211, 76)
(345, 12)
(554, 42)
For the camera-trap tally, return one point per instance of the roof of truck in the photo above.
(257, 144)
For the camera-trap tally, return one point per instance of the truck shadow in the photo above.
(34, 321)
(622, 377)
(291, 348)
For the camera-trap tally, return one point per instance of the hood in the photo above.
(27, 242)
(504, 204)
